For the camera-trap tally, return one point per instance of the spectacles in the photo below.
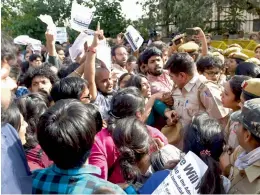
(212, 73)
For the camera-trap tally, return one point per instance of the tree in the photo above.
(20, 16)
(181, 13)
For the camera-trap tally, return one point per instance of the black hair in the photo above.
(126, 102)
(160, 45)
(25, 66)
(113, 51)
(205, 134)
(68, 88)
(150, 52)
(235, 85)
(131, 59)
(43, 71)
(135, 81)
(8, 49)
(15, 73)
(209, 62)
(65, 71)
(66, 133)
(94, 111)
(132, 140)
(123, 76)
(247, 69)
(34, 57)
(59, 47)
(12, 116)
(181, 62)
(32, 106)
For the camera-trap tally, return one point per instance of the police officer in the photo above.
(246, 173)
(193, 93)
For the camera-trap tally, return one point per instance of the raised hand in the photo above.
(98, 36)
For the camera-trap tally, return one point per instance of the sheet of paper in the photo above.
(80, 17)
(184, 178)
(134, 38)
(62, 35)
(22, 40)
(78, 45)
(104, 54)
(47, 19)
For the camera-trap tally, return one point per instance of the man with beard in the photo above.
(99, 78)
(159, 79)
(119, 56)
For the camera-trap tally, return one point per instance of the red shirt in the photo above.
(104, 154)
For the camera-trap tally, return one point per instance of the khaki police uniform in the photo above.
(246, 181)
(197, 96)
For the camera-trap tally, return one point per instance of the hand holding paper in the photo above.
(50, 24)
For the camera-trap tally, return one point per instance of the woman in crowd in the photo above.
(153, 103)
(125, 103)
(133, 141)
(231, 99)
(32, 106)
(123, 79)
(14, 117)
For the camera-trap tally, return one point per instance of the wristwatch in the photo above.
(92, 49)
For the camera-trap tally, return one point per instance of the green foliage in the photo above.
(19, 17)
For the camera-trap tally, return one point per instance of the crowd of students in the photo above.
(81, 128)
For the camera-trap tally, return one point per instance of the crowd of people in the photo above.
(74, 126)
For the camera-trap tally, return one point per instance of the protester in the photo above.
(159, 79)
(99, 79)
(131, 65)
(142, 67)
(71, 88)
(68, 118)
(125, 103)
(210, 67)
(15, 118)
(123, 80)
(231, 99)
(35, 60)
(119, 56)
(12, 153)
(153, 103)
(40, 79)
(32, 106)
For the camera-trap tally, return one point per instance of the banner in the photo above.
(21, 40)
(134, 38)
(184, 178)
(62, 35)
(80, 17)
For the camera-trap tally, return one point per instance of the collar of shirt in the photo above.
(191, 83)
(85, 169)
(119, 68)
(253, 171)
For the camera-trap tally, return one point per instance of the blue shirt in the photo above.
(15, 173)
(53, 180)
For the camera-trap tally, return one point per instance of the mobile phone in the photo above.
(191, 31)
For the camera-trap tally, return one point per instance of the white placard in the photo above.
(21, 40)
(80, 17)
(134, 38)
(62, 35)
(78, 45)
(184, 178)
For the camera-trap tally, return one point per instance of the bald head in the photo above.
(104, 80)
